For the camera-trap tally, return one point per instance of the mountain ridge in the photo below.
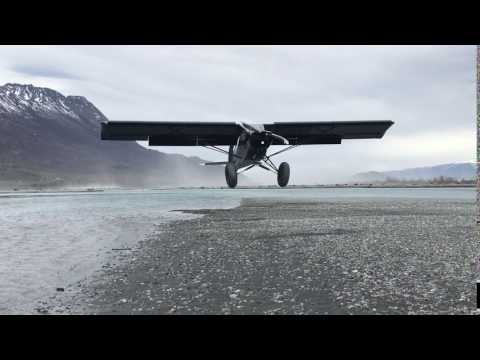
(457, 171)
(51, 140)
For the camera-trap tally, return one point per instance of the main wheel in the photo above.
(231, 175)
(283, 174)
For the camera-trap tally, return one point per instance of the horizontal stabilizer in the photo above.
(216, 163)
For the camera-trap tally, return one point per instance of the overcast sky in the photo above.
(428, 91)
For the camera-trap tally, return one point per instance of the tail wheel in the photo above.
(283, 174)
(231, 175)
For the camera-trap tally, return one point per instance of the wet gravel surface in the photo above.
(285, 257)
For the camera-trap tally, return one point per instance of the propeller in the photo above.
(258, 128)
(278, 137)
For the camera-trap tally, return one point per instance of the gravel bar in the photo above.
(271, 256)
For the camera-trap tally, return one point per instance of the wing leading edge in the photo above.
(226, 133)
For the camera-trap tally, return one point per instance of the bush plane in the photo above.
(247, 143)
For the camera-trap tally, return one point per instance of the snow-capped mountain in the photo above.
(29, 100)
(48, 139)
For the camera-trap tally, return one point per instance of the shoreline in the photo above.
(271, 256)
(360, 186)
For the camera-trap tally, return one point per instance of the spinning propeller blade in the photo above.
(258, 128)
(278, 137)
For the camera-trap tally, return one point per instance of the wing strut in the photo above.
(278, 152)
(215, 148)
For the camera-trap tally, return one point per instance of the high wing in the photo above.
(306, 133)
(227, 133)
(173, 133)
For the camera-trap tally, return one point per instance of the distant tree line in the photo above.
(441, 180)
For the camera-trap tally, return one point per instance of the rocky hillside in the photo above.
(50, 140)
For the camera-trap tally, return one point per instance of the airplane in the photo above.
(247, 143)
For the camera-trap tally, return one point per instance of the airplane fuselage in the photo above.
(250, 149)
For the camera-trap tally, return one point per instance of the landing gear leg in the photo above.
(283, 174)
(231, 175)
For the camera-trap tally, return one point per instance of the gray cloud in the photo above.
(429, 91)
(43, 71)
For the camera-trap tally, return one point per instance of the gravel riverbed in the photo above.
(271, 256)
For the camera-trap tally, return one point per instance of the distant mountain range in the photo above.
(50, 140)
(458, 171)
